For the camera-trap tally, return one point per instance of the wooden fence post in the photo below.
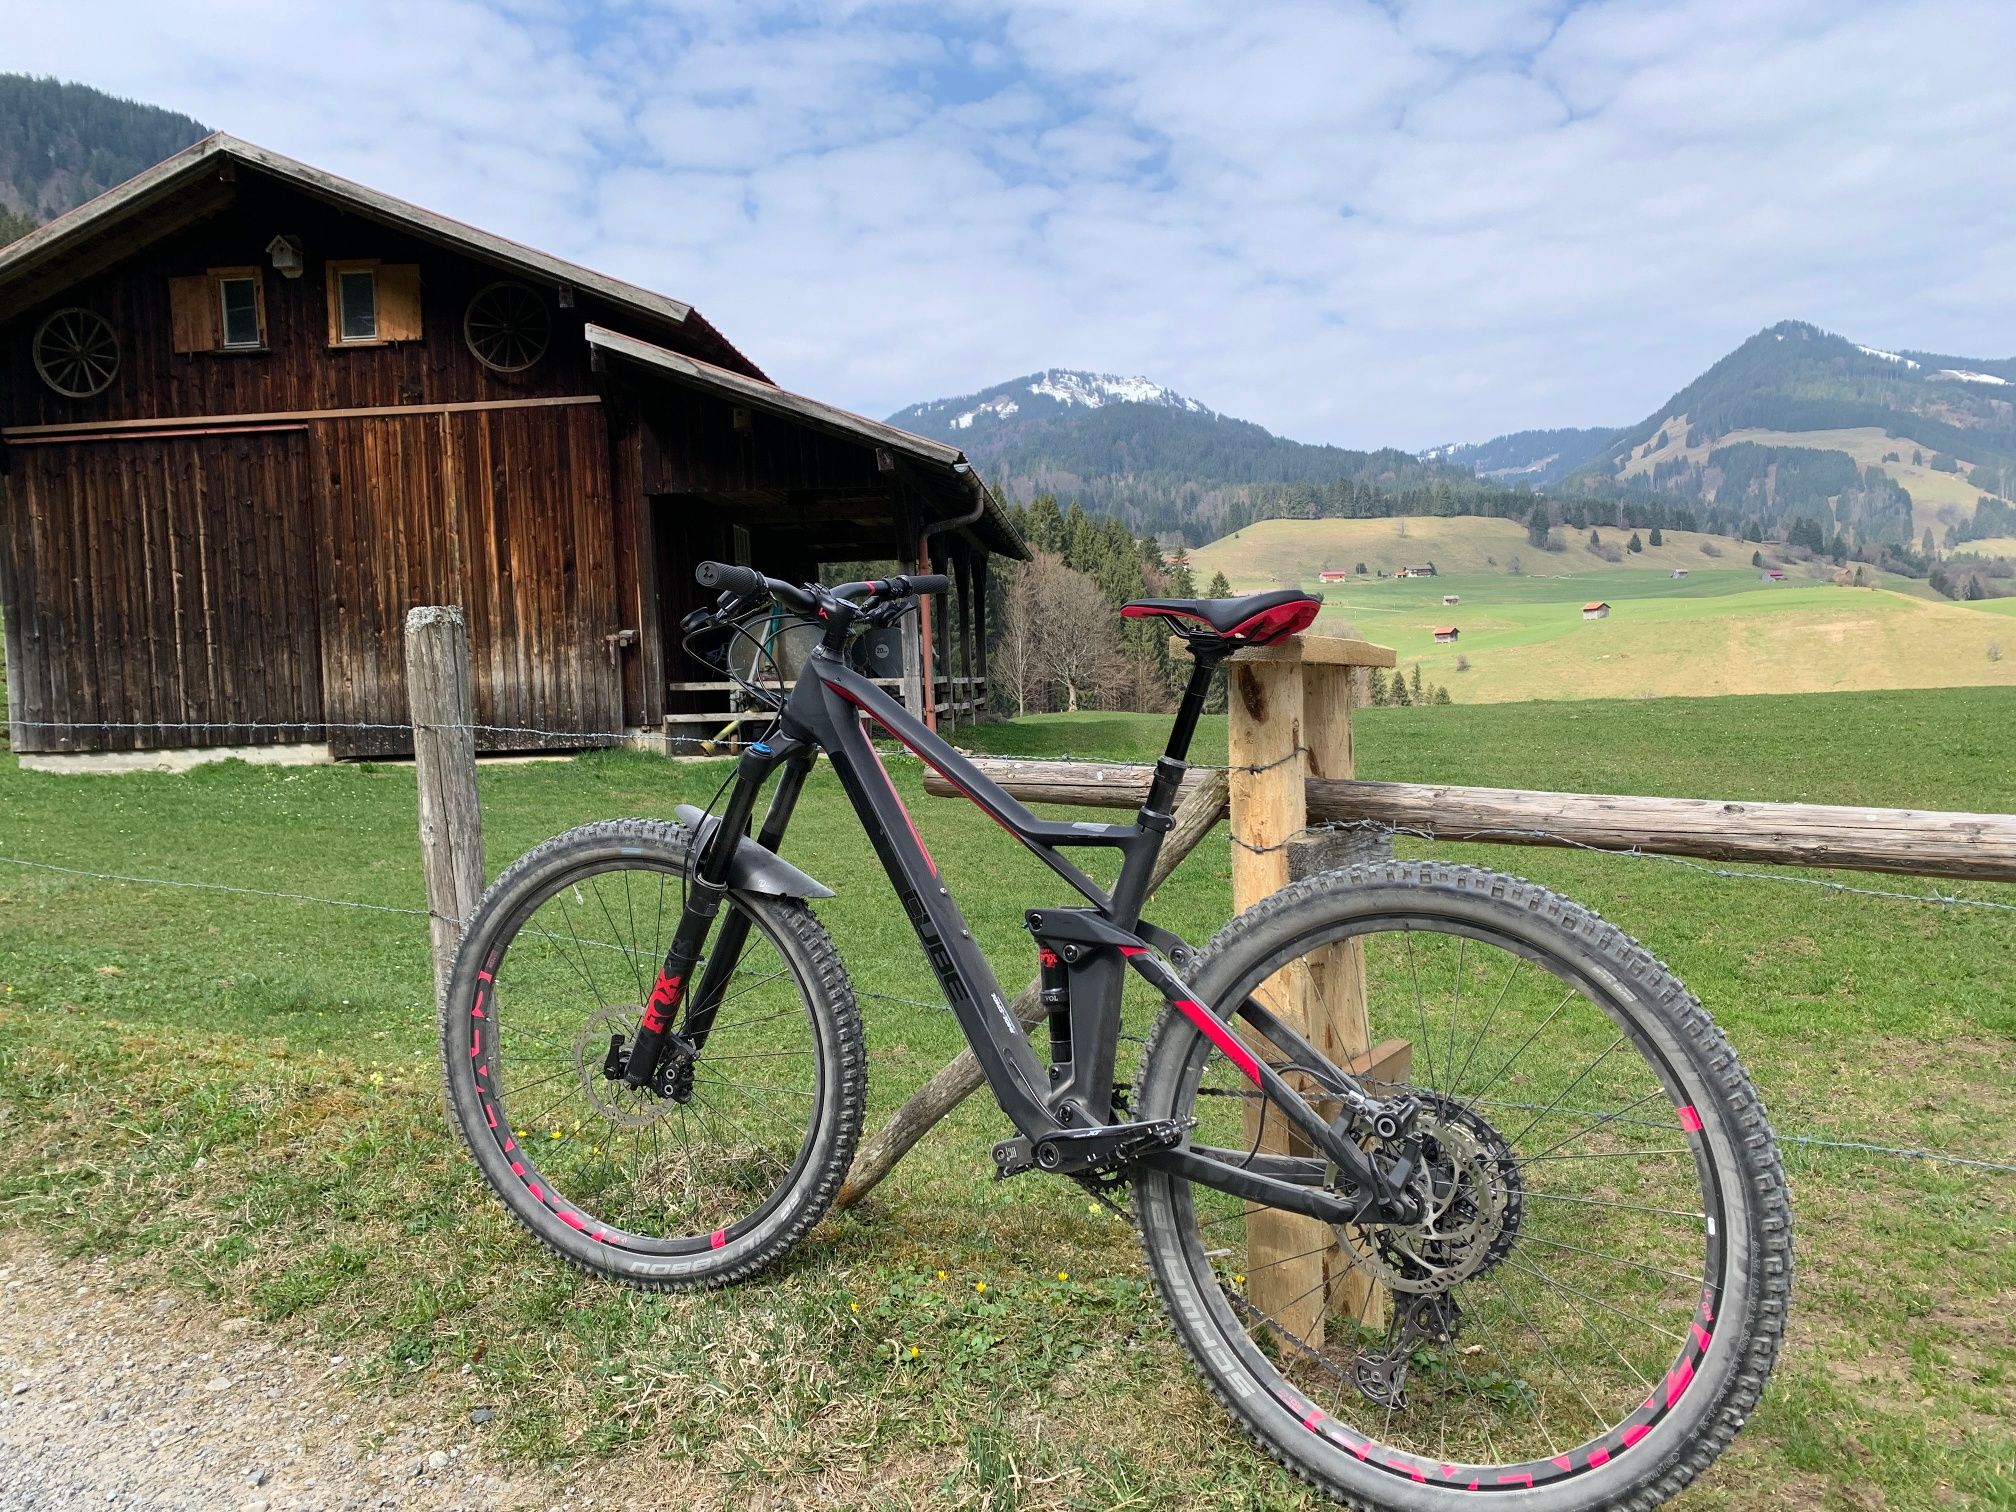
(444, 759)
(1289, 709)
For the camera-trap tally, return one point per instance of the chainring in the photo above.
(1473, 1202)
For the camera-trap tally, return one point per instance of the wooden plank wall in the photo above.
(167, 583)
(505, 512)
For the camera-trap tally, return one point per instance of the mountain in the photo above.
(62, 144)
(1798, 424)
(1537, 457)
(1159, 460)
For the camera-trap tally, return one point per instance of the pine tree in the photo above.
(1416, 689)
(1396, 691)
(1634, 544)
(1655, 538)
(1219, 587)
(1377, 682)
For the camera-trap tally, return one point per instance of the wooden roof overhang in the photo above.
(835, 517)
(200, 181)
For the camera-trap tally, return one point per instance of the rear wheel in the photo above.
(1594, 1294)
(704, 1186)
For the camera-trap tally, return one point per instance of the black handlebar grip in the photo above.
(929, 582)
(729, 578)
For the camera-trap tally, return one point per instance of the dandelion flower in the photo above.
(941, 1275)
(1237, 1279)
(377, 1078)
(979, 1286)
(914, 1351)
(853, 1307)
(1063, 1275)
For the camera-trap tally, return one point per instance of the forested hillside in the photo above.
(1167, 465)
(1799, 429)
(1538, 457)
(62, 144)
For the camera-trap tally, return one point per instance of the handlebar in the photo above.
(729, 578)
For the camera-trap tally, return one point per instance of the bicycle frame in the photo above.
(829, 709)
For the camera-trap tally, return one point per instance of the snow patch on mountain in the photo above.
(1964, 375)
(1886, 356)
(1095, 389)
(1000, 407)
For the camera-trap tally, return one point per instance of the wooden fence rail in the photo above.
(1917, 842)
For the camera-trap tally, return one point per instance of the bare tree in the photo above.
(1017, 659)
(1078, 630)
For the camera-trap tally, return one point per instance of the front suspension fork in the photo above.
(707, 889)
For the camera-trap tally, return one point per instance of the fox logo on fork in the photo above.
(664, 998)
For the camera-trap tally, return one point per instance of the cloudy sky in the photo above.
(1361, 221)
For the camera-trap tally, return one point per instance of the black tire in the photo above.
(825, 1020)
(1727, 1350)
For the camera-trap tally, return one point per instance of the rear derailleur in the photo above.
(1382, 1376)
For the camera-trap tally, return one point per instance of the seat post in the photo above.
(1157, 812)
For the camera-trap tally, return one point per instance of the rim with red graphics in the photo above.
(1560, 1315)
(565, 973)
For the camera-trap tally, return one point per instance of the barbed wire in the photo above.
(1894, 1152)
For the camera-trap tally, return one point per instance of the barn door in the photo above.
(505, 512)
(167, 593)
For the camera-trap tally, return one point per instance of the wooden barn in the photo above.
(251, 413)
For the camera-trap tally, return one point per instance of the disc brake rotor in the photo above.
(625, 1106)
(1472, 1200)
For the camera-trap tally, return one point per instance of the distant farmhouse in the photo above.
(1452, 598)
(1446, 634)
(1332, 575)
(1679, 572)
(253, 413)
(1413, 572)
(1595, 611)
(1772, 575)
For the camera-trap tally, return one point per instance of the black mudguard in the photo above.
(754, 869)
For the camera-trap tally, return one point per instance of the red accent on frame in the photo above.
(1222, 1038)
(895, 796)
(1142, 611)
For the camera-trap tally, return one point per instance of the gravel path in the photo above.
(128, 1396)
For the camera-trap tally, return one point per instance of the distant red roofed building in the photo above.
(1596, 611)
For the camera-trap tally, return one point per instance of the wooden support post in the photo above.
(444, 757)
(913, 651)
(1285, 1258)
(1199, 812)
(968, 707)
(986, 693)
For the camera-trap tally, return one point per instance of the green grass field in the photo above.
(1719, 630)
(240, 1096)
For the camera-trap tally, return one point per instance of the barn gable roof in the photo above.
(947, 463)
(138, 204)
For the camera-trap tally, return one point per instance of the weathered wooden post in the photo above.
(444, 759)
(1289, 709)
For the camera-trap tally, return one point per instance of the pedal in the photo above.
(1070, 1151)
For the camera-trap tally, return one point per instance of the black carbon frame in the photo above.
(829, 709)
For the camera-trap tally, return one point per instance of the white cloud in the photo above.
(1358, 222)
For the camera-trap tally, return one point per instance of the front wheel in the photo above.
(704, 1186)
(1594, 1293)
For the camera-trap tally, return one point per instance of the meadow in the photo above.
(1719, 630)
(240, 1095)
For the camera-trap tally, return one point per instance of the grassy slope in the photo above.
(239, 1094)
(1719, 630)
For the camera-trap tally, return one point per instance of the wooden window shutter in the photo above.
(398, 302)
(193, 314)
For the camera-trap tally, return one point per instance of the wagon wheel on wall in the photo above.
(507, 326)
(77, 353)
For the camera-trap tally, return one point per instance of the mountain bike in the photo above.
(1550, 1261)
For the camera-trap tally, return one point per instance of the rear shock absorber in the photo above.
(1057, 1005)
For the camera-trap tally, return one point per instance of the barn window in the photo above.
(222, 310)
(373, 303)
(357, 304)
(238, 303)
